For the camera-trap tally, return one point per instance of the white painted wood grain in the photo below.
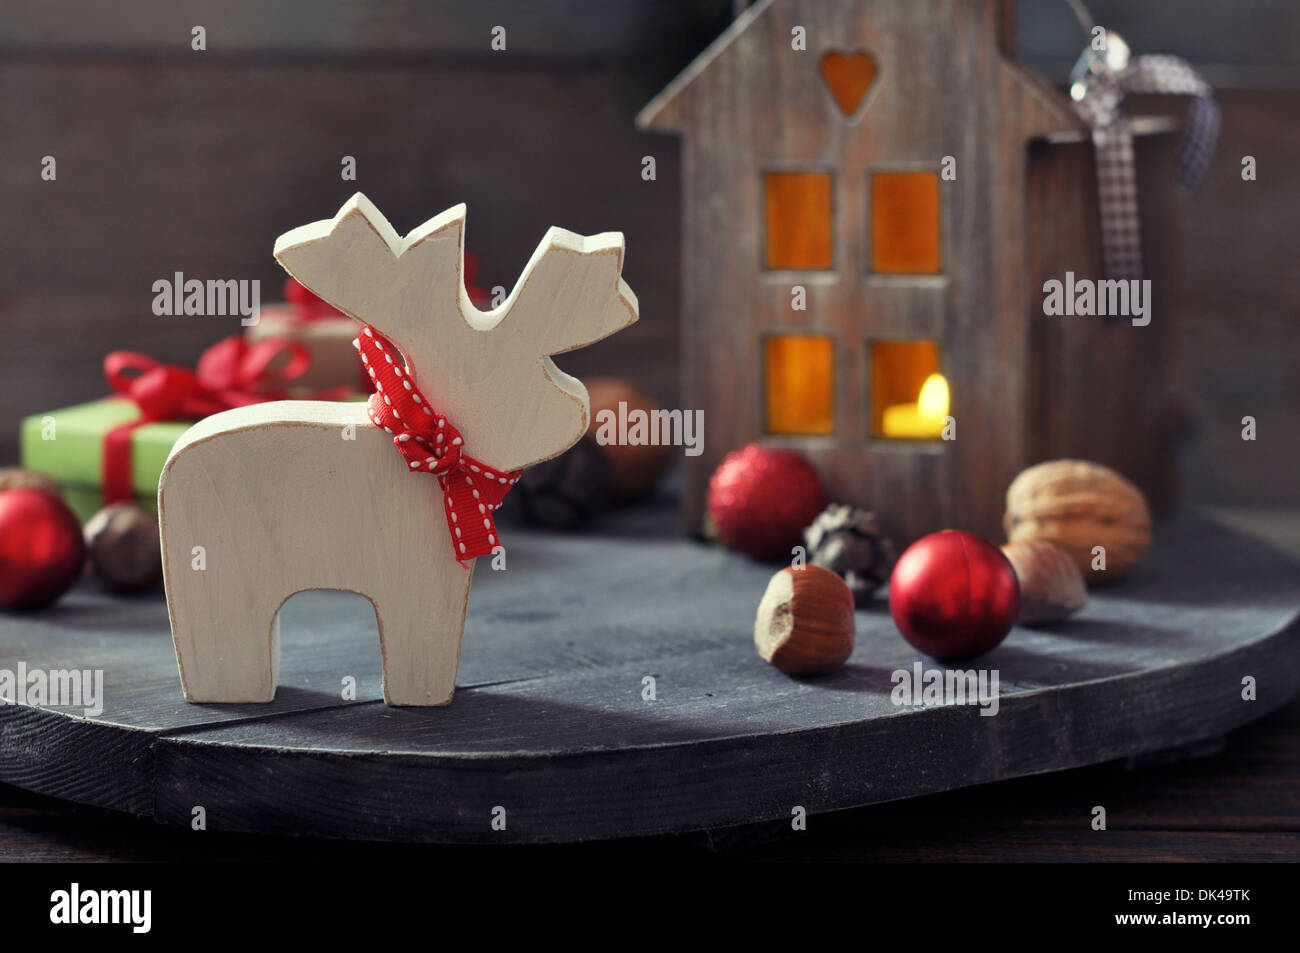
(280, 501)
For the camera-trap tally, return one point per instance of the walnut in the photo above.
(1080, 506)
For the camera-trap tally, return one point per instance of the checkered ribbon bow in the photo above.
(1098, 92)
(471, 490)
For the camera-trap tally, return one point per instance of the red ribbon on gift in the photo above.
(471, 490)
(231, 373)
(305, 305)
(481, 297)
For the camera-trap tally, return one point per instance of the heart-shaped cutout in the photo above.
(848, 76)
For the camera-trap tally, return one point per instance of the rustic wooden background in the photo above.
(174, 160)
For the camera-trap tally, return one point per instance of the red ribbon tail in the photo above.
(471, 504)
(115, 464)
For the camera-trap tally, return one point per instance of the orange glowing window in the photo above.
(800, 385)
(798, 220)
(905, 223)
(909, 397)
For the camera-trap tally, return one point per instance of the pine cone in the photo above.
(847, 541)
(564, 492)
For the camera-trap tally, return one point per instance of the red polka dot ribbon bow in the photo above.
(428, 442)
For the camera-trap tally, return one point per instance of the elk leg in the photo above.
(227, 653)
(420, 631)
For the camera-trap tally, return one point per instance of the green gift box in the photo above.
(69, 445)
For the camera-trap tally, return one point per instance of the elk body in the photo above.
(265, 501)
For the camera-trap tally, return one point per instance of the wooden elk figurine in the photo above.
(393, 502)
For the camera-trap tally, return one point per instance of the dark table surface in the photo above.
(1240, 804)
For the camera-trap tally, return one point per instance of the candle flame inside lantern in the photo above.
(922, 420)
(933, 402)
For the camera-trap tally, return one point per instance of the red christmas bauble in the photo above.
(41, 549)
(761, 499)
(953, 595)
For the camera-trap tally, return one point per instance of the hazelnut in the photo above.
(123, 549)
(805, 621)
(1051, 586)
(1079, 506)
(16, 478)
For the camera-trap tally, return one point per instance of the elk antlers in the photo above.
(489, 372)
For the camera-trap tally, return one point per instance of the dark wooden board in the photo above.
(1242, 803)
(549, 719)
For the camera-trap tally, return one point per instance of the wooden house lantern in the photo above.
(912, 187)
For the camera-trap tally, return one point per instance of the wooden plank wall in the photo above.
(172, 160)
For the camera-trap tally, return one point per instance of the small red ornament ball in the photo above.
(761, 499)
(41, 548)
(953, 595)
